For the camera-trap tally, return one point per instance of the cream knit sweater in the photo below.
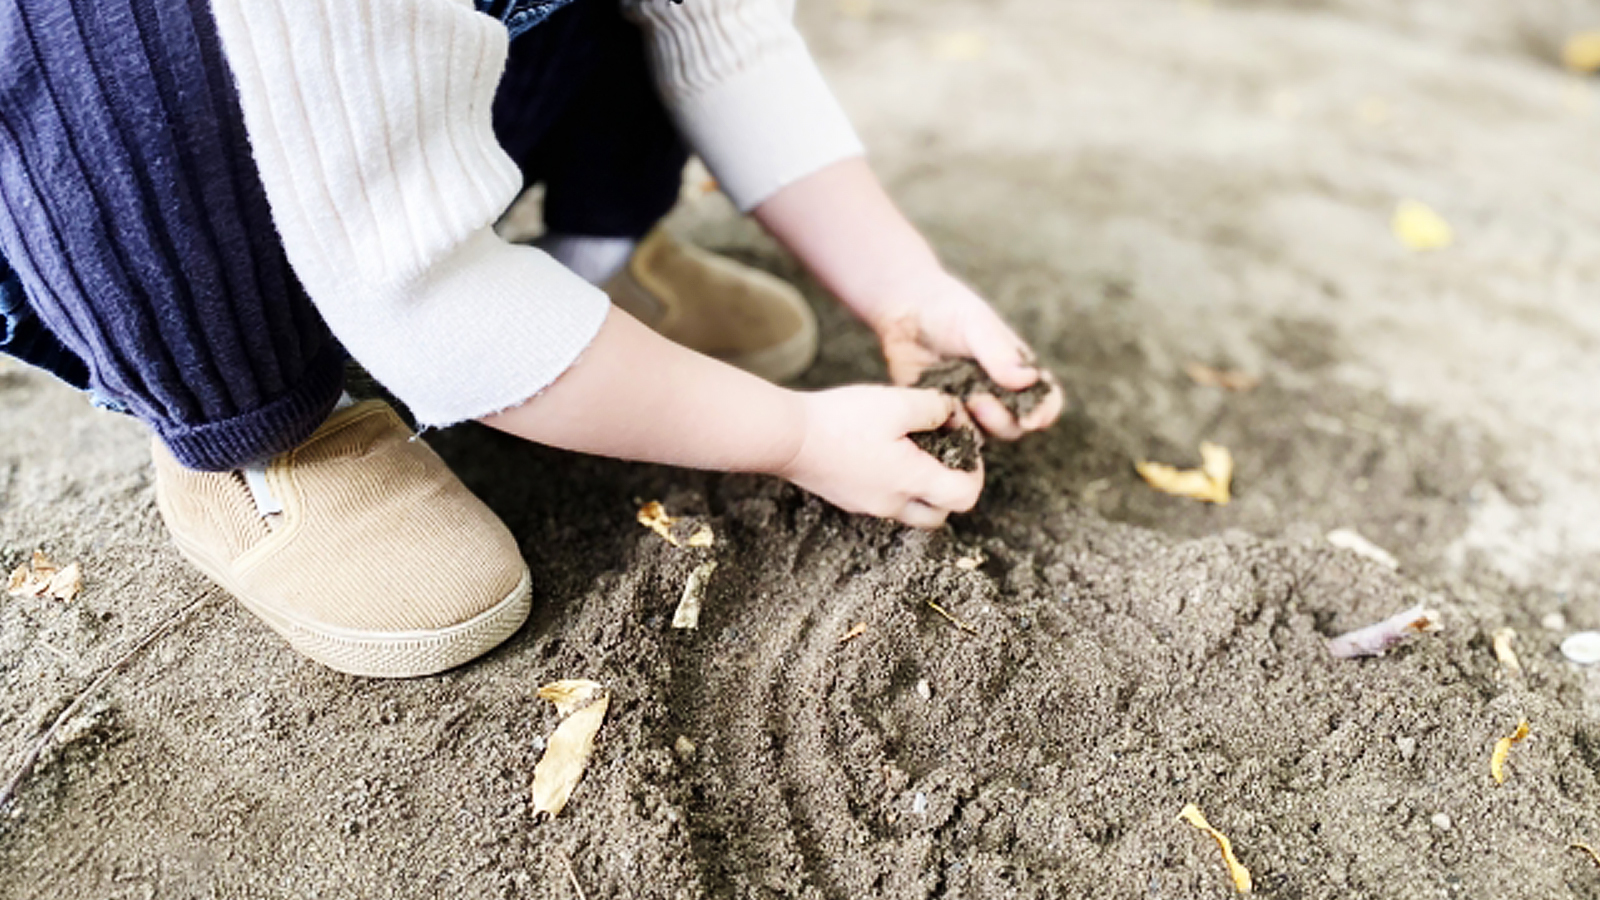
(370, 123)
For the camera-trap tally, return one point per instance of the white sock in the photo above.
(594, 259)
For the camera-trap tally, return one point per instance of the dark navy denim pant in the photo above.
(576, 110)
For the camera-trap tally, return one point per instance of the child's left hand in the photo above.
(940, 318)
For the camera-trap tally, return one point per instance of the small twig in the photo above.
(1374, 639)
(28, 762)
(953, 620)
(571, 875)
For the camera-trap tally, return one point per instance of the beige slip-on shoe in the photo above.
(381, 562)
(719, 307)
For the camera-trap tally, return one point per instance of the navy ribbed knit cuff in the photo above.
(281, 425)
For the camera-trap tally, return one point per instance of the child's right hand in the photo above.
(855, 454)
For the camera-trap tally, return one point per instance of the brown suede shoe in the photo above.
(721, 308)
(381, 562)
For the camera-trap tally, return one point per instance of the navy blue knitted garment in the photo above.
(133, 217)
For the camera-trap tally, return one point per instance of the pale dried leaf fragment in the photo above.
(1350, 539)
(1502, 749)
(570, 694)
(1375, 639)
(1211, 483)
(1581, 52)
(40, 577)
(65, 584)
(855, 631)
(702, 537)
(1502, 651)
(971, 561)
(1241, 875)
(687, 615)
(566, 755)
(1228, 380)
(1593, 853)
(1418, 227)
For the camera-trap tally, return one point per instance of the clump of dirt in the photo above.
(957, 448)
(964, 378)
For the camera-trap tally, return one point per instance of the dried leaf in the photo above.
(1581, 53)
(959, 46)
(1503, 652)
(1375, 639)
(565, 757)
(1349, 539)
(570, 694)
(1209, 483)
(1502, 749)
(687, 615)
(971, 561)
(1205, 376)
(1593, 853)
(41, 578)
(1241, 875)
(66, 584)
(1419, 227)
(654, 516)
(856, 631)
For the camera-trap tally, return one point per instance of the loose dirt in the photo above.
(1137, 186)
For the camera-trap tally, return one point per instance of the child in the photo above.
(148, 148)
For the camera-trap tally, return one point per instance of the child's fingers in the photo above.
(954, 491)
(920, 515)
(925, 410)
(1002, 354)
(1048, 410)
(993, 418)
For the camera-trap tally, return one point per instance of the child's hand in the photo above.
(940, 318)
(855, 454)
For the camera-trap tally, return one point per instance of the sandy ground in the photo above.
(1138, 185)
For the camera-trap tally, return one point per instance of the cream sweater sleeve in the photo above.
(370, 124)
(745, 92)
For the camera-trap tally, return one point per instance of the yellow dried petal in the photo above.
(1419, 227)
(654, 516)
(1210, 483)
(703, 537)
(1502, 749)
(565, 758)
(1581, 53)
(1241, 875)
(569, 694)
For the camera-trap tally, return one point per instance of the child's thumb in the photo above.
(1005, 357)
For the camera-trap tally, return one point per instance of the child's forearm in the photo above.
(842, 224)
(635, 395)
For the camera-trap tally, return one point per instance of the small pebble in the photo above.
(1441, 821)
(1554, 621)
(684, 746)
(924, 689)
(919, 803)
(1407, 747)
(1582, 648)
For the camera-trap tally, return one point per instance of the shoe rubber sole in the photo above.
(385, 654)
